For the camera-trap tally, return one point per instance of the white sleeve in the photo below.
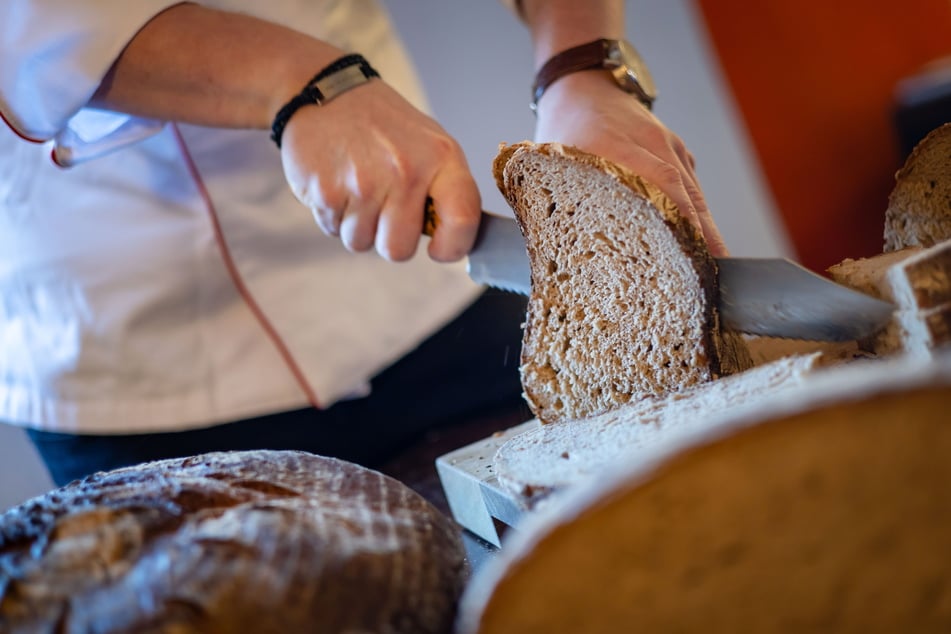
(54, 54)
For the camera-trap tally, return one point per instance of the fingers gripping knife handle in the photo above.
(498, 257)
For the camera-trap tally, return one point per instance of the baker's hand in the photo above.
(587, 110)
(365, 162)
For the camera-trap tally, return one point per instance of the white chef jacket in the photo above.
(170, 280)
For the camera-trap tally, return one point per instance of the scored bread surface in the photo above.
(623, 295)
(258, 541)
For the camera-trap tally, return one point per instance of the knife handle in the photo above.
(430, 219)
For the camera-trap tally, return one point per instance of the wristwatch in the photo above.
(617, 56)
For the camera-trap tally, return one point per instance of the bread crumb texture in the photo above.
(622, 301)
(259, 541)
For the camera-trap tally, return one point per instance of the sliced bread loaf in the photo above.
(918, 281)
(623, 301)
(919, 207)
(825, 510)
(921, 286)
(551, 458)
(868, 275)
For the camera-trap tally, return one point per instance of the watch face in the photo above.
(630, 71)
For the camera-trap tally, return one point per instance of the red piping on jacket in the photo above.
(17, 132)
(32, 140)
(236, 275)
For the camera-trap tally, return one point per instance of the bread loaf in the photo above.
(921, 286)
(919, 207)
(869, 275)
(551, 458)
(918, 281)
(623, 299)
(258, 541)
(827, 509)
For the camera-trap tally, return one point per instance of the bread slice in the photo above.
(869, 275)
(552, 458)
(919, 207)
(918, 281)
(256, 541)
(623, 299)
(922, 281)
(921, 286)
(825, 510)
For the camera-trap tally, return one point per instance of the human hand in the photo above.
(588, 110)
(365, 162)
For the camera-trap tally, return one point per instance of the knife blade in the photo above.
(773, 297)
(776, 297)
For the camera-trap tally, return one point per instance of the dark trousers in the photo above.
(468, 369)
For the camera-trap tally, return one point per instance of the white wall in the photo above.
(475, 59)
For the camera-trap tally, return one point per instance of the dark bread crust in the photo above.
(258, 541)
(919, 206)
(708, 351)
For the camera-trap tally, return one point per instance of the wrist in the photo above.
(341, 75)
(586, 90)
(298, 69)
(613, 59)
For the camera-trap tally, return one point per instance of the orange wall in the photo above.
(814, 81)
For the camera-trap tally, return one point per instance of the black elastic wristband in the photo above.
(312, 95)
(339, 64)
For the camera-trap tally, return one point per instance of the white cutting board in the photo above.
(477, 501)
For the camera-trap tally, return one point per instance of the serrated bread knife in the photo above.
(762, 296)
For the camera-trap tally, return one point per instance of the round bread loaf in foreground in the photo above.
(259, 541)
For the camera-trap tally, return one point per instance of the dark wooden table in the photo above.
(416, 467)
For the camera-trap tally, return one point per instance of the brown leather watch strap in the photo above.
(584, 57)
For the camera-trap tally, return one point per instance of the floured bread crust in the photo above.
(258, 541)
(825, 509)
(623, 301)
